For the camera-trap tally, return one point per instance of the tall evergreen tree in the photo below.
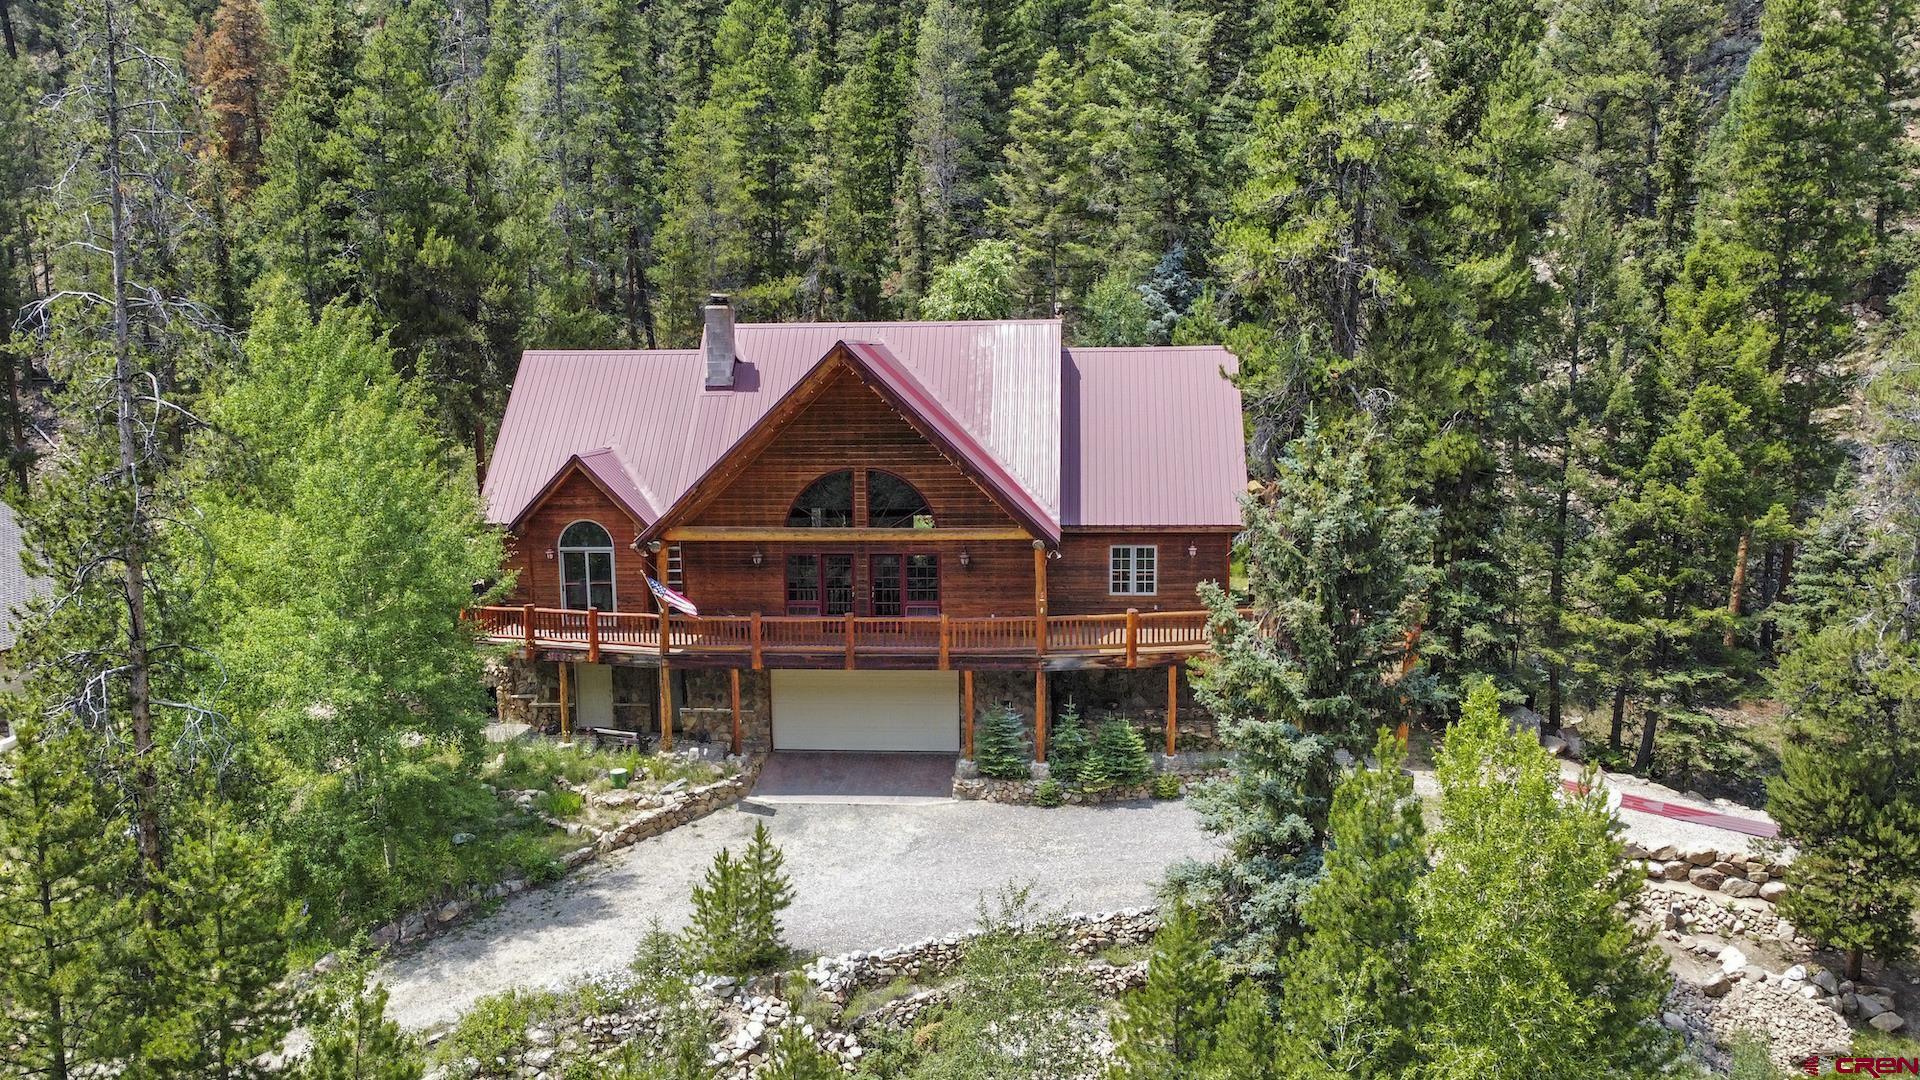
(1334, 567)
(948, 127)
(1041, 207)
(860, 151)
(1170, 1026)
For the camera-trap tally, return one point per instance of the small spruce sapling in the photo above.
(736, 910)
(1001, 748)
(1118, 758)
(1068, 744)
(795, 1056)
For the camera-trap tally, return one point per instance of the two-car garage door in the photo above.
(866, 710)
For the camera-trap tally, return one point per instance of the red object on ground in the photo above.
(1691, 814)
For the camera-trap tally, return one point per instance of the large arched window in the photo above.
(892, 503)
(586, 566)
(826, 504)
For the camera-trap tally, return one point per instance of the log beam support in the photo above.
(966, 713)
(1173, 707)
(733, 690)
(1040, 715)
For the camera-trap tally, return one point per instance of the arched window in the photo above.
(826, 504)
(892, 503)
(586, 566)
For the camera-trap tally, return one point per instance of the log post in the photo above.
(1173, 707)
(849, 618)
(966, 712)
(593, 635)
(1040, 715)
(758, 661)
(666, 635)
(1040, 600)
(733, 688)
(566, 721)
(1133, 637)
(526, 626)
(946, 639)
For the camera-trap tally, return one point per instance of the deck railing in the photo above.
(1122, 637)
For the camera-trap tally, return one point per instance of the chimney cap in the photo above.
(719, 299)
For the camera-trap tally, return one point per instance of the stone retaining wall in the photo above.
(1734, 873)
(652, 816)
(837, 978)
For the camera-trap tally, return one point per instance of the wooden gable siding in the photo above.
(1078, 581)
(575, 499)
(849, 427)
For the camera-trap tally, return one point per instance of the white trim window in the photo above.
(586, 567)
(1133, 570)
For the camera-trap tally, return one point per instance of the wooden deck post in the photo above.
(966, 712)
(593, 635)
(526, 625)
(733, 688)
(1040, 715)
(1133, 637)
(758, 662)
(1173, 706)
(849, 617)
(566, 721)
(1040, 600)
(666, 634)
(946, 639)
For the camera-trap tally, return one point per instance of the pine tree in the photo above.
(769, 893)
(1350, 1001)
(735, 929)
(1528, 892)
(234, 69)
(1334, 567)
(352, 1037)
(1041, 208)
(861, 148)
(20, 278)
(1118, 757)
(948, 128)
(1169, 1028)
(219, 958)
(1155, 154)
(302, 208)
(63, 865)
(1068, 744)
(795, 1056)
(1000, 745)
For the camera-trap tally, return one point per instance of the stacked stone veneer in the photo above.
(646, 816)
(529, 692)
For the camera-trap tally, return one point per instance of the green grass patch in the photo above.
(495, 1029)
(562, 803)
(1122, 955)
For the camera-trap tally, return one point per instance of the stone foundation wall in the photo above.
(1137, 694)
(528, 692)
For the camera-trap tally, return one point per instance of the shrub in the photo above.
(496, 1026)
(1118, 758)
(1068, 743)
(561, 803)
(1049, 793)
(352, 1037)
(1166, 786)
(1000, 747)
(736, 910)
(795, 1056)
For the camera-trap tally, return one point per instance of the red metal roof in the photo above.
(1100, 437)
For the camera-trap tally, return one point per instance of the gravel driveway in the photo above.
(864, 876)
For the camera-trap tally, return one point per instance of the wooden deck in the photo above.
(1061, 642)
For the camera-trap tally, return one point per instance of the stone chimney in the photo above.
(717, 342)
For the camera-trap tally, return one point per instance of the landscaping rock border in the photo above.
(1731, 872)
(837, 978)
(656, 814)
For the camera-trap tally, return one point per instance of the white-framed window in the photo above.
(1133, 569)
(586, 566)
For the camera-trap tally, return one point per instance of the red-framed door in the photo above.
(820, 583)
(903, 583)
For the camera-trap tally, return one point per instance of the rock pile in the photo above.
(1738, 874)
(1678, 912)
(1791, 1026)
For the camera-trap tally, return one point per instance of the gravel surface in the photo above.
(864, 876)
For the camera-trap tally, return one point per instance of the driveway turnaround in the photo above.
(864, 877)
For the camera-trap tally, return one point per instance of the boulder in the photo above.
(1772, 891)
(1872, 1005)
(1824, 980)
(1676, 871)
(1888, 1022)
(1727, 868)
(1753, 973)
(1794, 974)
(1739, 887)
(1665, 853)
(1731, 959)
(1717, 985)
(1700, 856)
(1706, 877)
(451, 910)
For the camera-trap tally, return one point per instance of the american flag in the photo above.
(670, 598)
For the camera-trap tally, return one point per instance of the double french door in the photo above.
(894, 584)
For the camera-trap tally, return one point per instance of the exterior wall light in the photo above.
(1193, 550)
(966, 560)
(758, 558)
(549, 554)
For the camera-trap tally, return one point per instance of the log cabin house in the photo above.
(883, 526)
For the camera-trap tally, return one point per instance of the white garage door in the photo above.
(866, 710)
